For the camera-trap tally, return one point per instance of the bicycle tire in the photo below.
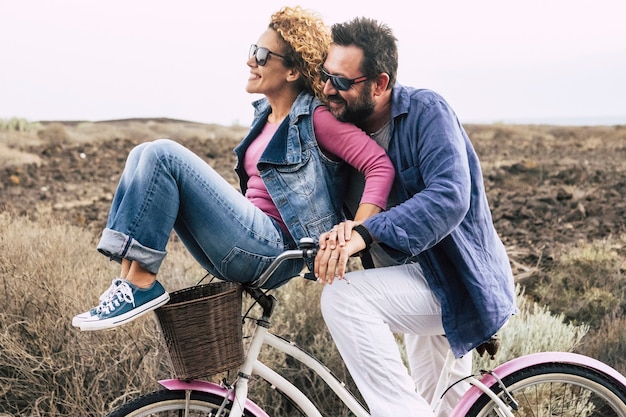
(167, 403)
(558, 390)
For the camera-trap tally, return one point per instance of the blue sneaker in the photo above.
(78, 319)
(125, 303)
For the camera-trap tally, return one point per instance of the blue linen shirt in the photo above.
(444, 221)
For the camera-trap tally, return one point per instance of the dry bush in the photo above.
(586, 285)
(534, 329)
(608, 343)
(50, 271)
(586, 282)
(53, 134)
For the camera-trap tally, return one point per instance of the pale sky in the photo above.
(493, 61)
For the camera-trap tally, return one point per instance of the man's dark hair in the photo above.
(377, 41)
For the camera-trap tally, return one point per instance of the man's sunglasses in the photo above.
(262, 54)
(341, 83)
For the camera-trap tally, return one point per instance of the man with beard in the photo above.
(442, 276)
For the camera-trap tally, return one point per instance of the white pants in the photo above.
(364, 311)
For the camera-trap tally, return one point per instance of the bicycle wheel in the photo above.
(557, 390)
(166, 403)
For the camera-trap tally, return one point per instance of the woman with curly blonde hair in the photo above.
(307, 42)
(289, 168)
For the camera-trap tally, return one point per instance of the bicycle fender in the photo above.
(525, 361)
(211, 388)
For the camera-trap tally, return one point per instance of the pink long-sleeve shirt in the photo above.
(342, 140)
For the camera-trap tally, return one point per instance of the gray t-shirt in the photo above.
(356, 184)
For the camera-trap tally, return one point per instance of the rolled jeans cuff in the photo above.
(118, 246)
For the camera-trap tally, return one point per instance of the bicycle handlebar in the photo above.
(307, 249)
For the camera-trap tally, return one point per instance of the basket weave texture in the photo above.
(203, 330)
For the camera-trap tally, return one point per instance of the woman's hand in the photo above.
(335, 248)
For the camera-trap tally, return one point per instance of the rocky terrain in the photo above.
(548, 186)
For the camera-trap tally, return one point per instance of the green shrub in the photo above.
(534, 329)
(17, 124)
(585, 284)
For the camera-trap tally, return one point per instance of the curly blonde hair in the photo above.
(307, 39)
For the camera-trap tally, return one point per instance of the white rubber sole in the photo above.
(77, 320)
(95, 324)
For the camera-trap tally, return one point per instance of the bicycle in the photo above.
(542, 384)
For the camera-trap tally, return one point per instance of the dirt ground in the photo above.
(547, 185)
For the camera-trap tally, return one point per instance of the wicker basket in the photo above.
(202, 329)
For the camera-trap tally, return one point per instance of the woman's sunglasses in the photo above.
(262, 54)
(341, 83)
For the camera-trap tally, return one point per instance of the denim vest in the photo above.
(304, 184)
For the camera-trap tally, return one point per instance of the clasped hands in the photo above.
(335, 248)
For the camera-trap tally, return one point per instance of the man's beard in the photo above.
(357, 111)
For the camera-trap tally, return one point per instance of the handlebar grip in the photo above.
(307, 250)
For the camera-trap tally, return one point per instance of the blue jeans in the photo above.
(167, 187)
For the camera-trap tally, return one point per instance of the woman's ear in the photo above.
(293, 74)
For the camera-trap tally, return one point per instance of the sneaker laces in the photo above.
(106, 296)
(114, 283)
(122, 293)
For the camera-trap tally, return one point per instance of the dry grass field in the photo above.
(557, 197)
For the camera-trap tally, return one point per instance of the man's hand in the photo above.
(335, 248)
